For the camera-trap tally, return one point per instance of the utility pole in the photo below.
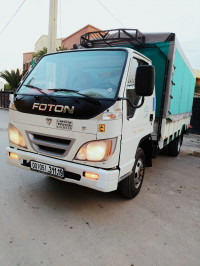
(52, 35)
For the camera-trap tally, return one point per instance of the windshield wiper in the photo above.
(89, 98)
(40, 90)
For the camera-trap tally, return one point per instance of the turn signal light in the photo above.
(14, 156)
(112, 115)
(91, 175)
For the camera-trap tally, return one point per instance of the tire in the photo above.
(130, 187)
(174, 147)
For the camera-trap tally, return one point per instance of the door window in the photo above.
(130, 88)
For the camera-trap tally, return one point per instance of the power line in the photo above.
(111, 13)
(12, 17)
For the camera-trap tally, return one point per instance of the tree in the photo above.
(40, 53)
(6, 87)
(61, 48)
(13, 78)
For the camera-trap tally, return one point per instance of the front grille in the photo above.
(50, 149)
(50, 145)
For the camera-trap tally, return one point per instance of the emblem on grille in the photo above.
(49, 120)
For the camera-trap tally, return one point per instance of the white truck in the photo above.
(96, 115)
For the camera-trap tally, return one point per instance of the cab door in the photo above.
(137, 122)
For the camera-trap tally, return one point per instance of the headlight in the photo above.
(15, 136)
(96, 151)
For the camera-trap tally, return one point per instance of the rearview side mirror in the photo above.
(145, 80)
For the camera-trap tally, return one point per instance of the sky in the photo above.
(31, 21)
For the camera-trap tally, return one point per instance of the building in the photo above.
(75, 37)
(27, 57)
(43, 42)
(197, 86)
(66, 43)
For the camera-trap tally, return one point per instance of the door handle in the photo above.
(151, 117)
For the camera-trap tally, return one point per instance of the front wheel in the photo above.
(130, 187)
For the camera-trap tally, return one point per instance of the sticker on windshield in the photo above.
(64, 124)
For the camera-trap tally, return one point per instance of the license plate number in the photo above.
(47, 169)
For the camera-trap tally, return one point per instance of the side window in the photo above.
(130, 88)
(142, 63)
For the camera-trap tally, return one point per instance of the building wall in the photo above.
(27, 57)
(197, 73)
(197, 86)
(75, 37)
(198, 81)
(43, 42)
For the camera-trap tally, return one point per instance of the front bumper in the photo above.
(108, 179)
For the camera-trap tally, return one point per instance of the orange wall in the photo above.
(27, 57)
(75, 37)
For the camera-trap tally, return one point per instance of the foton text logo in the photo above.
(52, 107)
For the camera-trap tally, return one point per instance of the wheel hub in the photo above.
(139, 172)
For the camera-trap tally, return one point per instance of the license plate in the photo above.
(47, 169)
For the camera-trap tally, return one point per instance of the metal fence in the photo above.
(4, 98)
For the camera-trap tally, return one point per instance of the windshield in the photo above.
(93, 73)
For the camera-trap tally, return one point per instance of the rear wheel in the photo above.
(130, 187)
(175, 146)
